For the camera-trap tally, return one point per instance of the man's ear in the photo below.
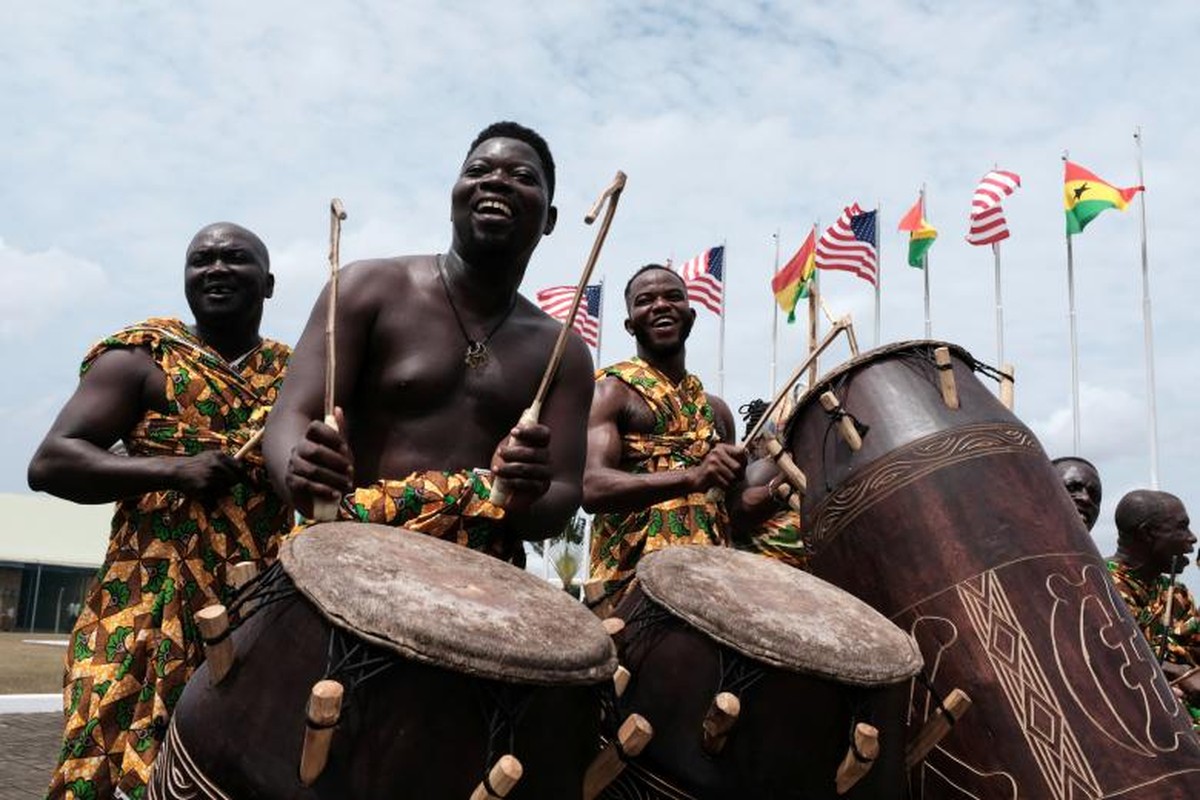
(629, 326)
(551, 220)
(693, 310)
(269, 289)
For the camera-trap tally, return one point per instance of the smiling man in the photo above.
(182, 399)
(1081, 479)
(656, 441)
(437, 356)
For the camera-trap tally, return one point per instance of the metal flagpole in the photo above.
(721, 334)
(775, 318)
(1147, 324)
(600, 324)
(925, 269)
(813, 295)
(1074, 339)
(999, 310)
(878, 271)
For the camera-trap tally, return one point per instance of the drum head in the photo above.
(779, 615)
(445, 605)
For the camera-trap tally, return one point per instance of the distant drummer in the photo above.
(437, 356)
(1081, 479)
(657, 442)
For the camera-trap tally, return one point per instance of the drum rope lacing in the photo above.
(502, 706)
(938, 700)
(262, 590)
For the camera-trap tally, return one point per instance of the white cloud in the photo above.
(41, 286)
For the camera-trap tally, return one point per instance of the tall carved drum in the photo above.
(449, 660)
(761, 681)
(953, 523)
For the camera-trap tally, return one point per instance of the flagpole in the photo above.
(1147, 324)
(999, 310)
(600, 324)
(1074, 339)
(721, 329)
(775, 318)
(878, 270)
(925, 269)
(813, 291)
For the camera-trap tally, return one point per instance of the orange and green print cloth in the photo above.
(451, 505)
(135, 643)
(685, 430)
(1147, 602)
(779, 537)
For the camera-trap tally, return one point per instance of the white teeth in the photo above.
(494, 205)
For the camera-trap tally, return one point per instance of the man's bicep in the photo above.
(110, 398)
(604, 431)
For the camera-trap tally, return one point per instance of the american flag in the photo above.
(556, 301)
(704, 277)
(849, 244)
(987, 217)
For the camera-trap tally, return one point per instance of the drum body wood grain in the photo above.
(410, 727)
(954, 524)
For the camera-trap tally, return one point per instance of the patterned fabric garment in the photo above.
(1147, 602)
(684, 431)
(135, 643)
(453, 506)
(779, 537)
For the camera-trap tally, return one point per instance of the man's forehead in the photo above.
(653, 279)
(225, 235)
(507, 147)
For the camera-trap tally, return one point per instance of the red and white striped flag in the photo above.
(704, 277)
(987, 217)
(849, 244)
(556, 301)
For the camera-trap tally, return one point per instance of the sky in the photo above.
(128, 126)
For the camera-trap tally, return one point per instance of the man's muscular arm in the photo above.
(74, 462)
(609, 489)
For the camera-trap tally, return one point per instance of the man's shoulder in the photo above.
(368, 275)
(131, 346)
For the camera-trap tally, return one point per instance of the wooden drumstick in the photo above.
(250, 444)
(787, 466)
(1007, 373)
(846, 428)
(936, 727)
(502, 778)
(859, 758)
(213, 622)
(324, 709)
(635, 733)
(945, 369)
(500, 491)
(719, 720)
(325, 510)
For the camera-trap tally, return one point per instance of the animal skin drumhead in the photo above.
(779, 615)
(446, 605)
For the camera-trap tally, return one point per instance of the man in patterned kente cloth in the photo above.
(1153, 540)
(437, 356)
(656, 441)
(182, 399)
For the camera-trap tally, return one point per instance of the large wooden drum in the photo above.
(449, 660)
(807, 663)
(954, 524)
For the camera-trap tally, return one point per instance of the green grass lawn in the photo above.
(30, 668)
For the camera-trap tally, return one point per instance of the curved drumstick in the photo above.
(326, 510)
(612, 194)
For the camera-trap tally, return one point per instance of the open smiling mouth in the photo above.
(494, 208)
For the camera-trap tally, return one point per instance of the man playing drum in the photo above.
(1082, 482)
(437, 356)
(182, 399)
(656, 441)
(1153, 540)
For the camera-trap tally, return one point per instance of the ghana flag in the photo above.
(921, 234)
(792, 282)
(1085, 196)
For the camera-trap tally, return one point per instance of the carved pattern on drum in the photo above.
(911, 463)
(176, 776)
(1047, 731)
(1086, 619)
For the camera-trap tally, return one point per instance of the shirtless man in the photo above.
(437, 356)
(656, 441)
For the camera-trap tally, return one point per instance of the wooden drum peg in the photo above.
(859, 758)
(324, 709)
(213, 622)
(613, 626)
(936, 727)
(621, 680)
(945, 370)
(635, 733)
(784, 492)
(846, 428)
(1007, 373)
(502, 778)
(719, 720)
(242, 573)
(787, 466)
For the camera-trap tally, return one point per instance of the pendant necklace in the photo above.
(477, 353)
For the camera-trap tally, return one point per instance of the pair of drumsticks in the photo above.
(326, 510)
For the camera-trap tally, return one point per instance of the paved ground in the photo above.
(28, 747)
